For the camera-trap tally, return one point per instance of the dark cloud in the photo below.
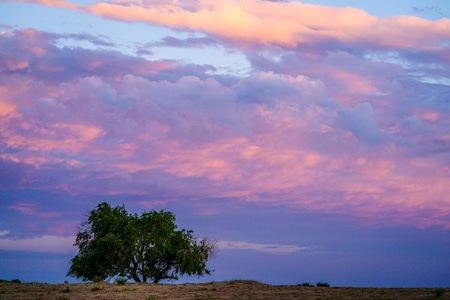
(96, 40)
(190, 42)
(265, 88)
(33, 53)
(362, 122)
(11, 175)
(429, 10)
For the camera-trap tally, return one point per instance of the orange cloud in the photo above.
(266, 22)
(5, 107)
(83, 132)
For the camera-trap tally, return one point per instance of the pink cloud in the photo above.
(29, 208)
(6, 108)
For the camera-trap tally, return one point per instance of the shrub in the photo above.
(439, 292)
(322, 284)
(98, 287)
(16, 281)
(121, 280)
(97, 279)
(306, 284)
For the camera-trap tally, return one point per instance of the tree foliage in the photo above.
(111, 242)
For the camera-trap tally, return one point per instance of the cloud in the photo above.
(429, 9)
(337, 131)
(46, 243)
(37, 53)
(53, 3)
(190, 42)
(266, 248)
(362, 122)
(27, 208)
(60, 244)
(272, 22)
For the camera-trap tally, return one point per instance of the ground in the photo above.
(237, 289)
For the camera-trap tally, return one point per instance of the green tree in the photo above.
(144, 248)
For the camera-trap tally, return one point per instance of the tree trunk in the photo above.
(135, 277)
(133, 272)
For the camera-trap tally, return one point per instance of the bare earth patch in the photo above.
(238, 289)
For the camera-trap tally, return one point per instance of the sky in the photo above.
(310, 139)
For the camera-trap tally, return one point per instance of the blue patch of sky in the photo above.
(435, 72)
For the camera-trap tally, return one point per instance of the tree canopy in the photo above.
(111, 242)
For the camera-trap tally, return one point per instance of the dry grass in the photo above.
(238, 289)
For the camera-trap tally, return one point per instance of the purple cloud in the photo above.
(361, 121)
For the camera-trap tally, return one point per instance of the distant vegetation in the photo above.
(13, 281)
(319, 284)
(322, 284)
(306, 284)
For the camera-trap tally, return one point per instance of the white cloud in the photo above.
(46, 243)
(267, 248)
(4, 232)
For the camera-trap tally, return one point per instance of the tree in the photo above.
(144, 248)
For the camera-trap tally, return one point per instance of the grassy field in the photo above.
(237, 289)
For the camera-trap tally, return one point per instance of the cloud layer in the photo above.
(342, 112)
(266, 248)
(341, 125)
